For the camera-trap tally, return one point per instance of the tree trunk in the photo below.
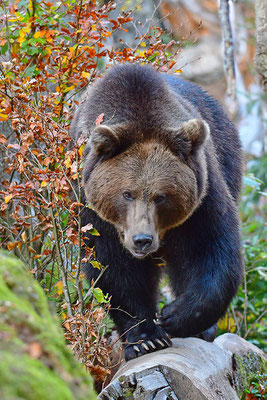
(261, 40)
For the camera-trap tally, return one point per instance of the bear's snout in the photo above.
(141, 245)
(142, 241)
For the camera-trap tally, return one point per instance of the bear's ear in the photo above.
(104, 143)
(196, 131)
(188, 138)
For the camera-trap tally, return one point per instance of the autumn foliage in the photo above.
(50, 52)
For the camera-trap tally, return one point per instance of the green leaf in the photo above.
(94, 232)
(33, 50)
(95, 264)
(4, 48)
(251, 181)
(97, 292)
(30, 71)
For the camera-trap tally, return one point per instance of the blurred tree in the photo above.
(261, 40)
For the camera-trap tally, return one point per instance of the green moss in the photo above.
(26, 323)
(245, 369)
(33, 380)
(128, 394)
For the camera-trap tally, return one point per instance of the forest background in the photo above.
(49, 53)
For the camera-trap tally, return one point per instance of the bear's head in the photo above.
(145, 186)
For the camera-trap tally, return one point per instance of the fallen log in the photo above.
(190, 370)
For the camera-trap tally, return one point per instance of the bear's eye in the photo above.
(128, 196)
(160, 198)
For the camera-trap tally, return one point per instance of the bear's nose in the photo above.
(142, 241)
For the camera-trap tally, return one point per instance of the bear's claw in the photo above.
(146, 346)
(151, 344)
(160, 342)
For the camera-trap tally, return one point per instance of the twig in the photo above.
(90, 291)
(245, 303)
(128, 330)
(119, 309)
(235, 319)
(254, 323)
(78, 266)
(59, 259)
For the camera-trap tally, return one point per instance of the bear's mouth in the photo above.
(139, 254)
(134, 252)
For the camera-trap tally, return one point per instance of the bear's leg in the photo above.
(132, 285)
(205, 268)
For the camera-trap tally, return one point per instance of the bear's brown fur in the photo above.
(162, 175)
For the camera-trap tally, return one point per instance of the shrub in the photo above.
(50, 52)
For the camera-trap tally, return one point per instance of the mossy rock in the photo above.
(34, 360)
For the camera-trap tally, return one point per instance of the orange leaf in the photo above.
(31, 250)
(59, 286)
(48, 51)
(8, 198)
(99, 119)
(81, 149)
(13, 146)
(12, 245)
(35, 238)
(86, 75)
(3, 139)
(67, 325)
(3, 117)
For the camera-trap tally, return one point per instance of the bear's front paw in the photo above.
(142, 343)
(170, 319)
(178, 321)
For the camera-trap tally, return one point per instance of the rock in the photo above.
(34, 360)
(191, 370)
(203, 62)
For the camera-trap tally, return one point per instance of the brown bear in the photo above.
(162, 175)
